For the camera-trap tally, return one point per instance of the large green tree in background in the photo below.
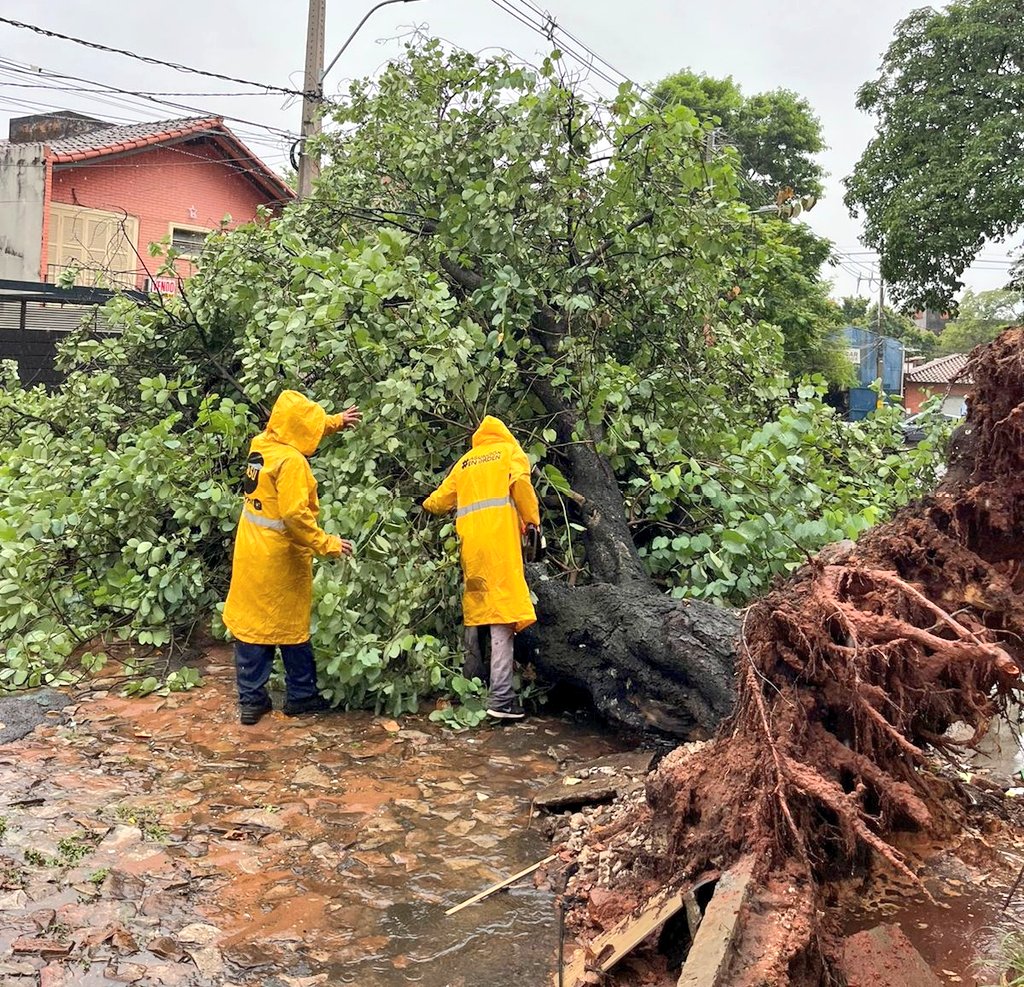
(775, 133)
(463, 254)
(776, 137)
(942, 175)
(980, 317)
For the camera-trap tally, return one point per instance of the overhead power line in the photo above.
(177, 66)
(104, 89)
(141, 92)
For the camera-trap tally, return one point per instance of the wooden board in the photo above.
(487, 892)
(610, 947)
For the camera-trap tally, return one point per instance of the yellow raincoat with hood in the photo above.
(490, 490)
(272, 572)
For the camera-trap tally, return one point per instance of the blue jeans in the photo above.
(253, 663)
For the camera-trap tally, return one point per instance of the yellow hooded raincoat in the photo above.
(490, 490)
(272, 573)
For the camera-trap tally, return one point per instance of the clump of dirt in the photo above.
(847, 674)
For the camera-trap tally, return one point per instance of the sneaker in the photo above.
(509, 711)
(250, 715)
(299, 707)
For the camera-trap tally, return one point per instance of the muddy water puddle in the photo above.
(1002, 748)
(159, 842)
(964, 921)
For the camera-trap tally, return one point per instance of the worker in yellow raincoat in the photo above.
(270, 596)
(489, 489)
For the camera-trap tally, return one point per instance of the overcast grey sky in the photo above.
(822, 50)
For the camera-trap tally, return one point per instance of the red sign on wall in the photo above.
(165, 286)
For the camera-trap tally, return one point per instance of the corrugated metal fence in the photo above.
(35, 317)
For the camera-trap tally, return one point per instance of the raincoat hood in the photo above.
(299, 422)
(492, 430)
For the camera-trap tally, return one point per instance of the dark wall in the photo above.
(34, 351)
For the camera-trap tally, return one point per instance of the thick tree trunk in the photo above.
(646, 661)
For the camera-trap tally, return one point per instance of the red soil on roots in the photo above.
(847, 672)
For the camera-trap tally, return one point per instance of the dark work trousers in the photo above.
(253, 663)
(500, 662)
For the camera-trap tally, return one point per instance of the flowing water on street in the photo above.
(157, 841)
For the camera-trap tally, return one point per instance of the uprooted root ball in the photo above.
(850, 669)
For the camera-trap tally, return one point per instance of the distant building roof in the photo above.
(944, 370)
(104, 139)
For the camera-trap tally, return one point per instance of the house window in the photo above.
(98, 246)
(188, 240)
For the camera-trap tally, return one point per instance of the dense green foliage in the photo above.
(775, 133)
(944, 167)
(980, 317)
(461, 227)
(775, 136)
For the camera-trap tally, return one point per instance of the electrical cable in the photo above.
(177, 66)
(107, 88)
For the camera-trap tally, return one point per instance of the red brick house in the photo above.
(944, 376)
(92, 196)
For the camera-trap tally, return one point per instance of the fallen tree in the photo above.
(485, 239)
(847, 675)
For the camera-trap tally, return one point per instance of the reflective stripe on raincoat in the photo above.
(271, 589)
(490, 490)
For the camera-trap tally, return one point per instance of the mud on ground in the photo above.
(158, 842)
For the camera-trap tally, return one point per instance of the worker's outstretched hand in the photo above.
(347, 547)
(351, 417)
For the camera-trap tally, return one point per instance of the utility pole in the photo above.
(313, 85)
(880, 366)
(313, 91)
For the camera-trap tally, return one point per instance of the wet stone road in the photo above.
(158, 842)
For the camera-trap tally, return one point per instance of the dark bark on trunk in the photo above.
(645, 660)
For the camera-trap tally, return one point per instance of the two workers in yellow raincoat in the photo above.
(270, 597)
(494, 501)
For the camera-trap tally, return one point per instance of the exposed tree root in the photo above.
(848, 670)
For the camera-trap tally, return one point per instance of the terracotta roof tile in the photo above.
(106, 140)
(944, 370)
(135, 136)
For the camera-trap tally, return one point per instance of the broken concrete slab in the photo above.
(596, 781)
(22, 712)
(707, 963)
(885, 957)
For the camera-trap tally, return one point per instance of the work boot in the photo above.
(250, 715)
(508, 711)
(313, 704)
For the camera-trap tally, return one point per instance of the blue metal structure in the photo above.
(873, 357)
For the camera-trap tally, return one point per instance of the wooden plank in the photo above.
(486, 893)
(609, 948)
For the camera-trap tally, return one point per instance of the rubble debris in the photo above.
(595, 781)
(712, 949)
(41, 946)
(604, 951)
